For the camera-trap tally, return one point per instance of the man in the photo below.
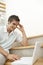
(8, 35)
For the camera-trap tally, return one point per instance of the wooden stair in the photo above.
(8, 62)
(39, 62)
(25, 47)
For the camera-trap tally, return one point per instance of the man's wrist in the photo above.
(6, 54)
(23, 31)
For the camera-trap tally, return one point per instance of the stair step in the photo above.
(39, 62)
(22, 47)
(25, 47)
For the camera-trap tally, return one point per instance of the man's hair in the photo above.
(13, 17)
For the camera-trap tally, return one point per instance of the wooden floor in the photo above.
(8, 62)
(39, 62)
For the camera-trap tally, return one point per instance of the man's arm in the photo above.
(2, 51)
(24, 40)
(11, 57)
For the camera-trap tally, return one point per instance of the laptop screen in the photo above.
(37, 52)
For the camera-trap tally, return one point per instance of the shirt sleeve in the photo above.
(0, 34)
(1, 31)
(19, 37)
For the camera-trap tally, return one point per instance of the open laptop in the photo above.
(29, 60)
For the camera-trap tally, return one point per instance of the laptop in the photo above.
(29, 60)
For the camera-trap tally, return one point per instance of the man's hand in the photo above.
(21, 28)
(24, 41)
(12, 57)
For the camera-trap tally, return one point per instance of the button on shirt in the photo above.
(7, 39)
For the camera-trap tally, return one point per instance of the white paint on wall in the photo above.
(4, 1)
(30, 13)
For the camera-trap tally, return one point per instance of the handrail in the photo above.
(2, 11)
(24, 47)
(37, 36)
(2, 3)
(3, 7)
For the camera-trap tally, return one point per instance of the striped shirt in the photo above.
(7, 39)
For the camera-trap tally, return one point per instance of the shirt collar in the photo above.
(5, 30)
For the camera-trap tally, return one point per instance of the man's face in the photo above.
(13, 25)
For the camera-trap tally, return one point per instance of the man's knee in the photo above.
(2, 59)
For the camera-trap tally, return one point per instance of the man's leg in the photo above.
(2, 59)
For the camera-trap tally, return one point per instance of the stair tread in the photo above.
(39, 62)
(25, 47)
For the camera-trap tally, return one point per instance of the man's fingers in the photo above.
(20, 25)
(18, 28)
(17, 57)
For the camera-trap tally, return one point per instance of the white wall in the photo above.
(30, 13)
(3, 1)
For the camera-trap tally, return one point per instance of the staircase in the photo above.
(26, 50)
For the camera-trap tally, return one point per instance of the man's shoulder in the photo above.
(2, 28)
